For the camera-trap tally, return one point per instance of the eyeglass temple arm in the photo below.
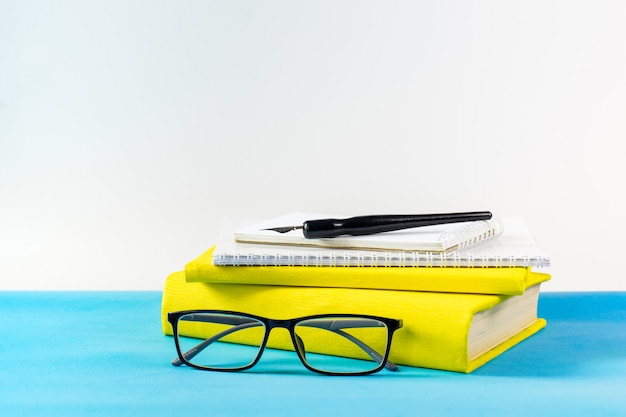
(332, 325)
(367, 349)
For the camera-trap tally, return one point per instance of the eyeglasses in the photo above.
(332, 344)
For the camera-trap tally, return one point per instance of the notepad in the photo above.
(514, 247)
(437, 238)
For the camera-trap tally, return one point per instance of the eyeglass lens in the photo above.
(357, 344)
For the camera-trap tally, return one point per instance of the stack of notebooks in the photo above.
(466, 292)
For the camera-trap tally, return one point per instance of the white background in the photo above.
(129, 129)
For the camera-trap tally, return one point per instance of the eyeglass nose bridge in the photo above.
(281, 324)
(290, 326)
(287, 324)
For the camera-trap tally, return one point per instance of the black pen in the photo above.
(368, 225)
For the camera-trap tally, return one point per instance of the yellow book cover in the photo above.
(447, 331)
(506, 281)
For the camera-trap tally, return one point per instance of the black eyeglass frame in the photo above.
(290, 324)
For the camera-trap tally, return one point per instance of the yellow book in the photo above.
(506, 281)
(448, 331)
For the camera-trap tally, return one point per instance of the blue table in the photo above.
(103, 354)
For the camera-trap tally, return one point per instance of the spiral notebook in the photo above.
(510, 244)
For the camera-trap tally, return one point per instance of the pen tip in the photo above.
(284, 229)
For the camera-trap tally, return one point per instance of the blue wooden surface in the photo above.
(103, 354)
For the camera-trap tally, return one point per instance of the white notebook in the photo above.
(513, 247)
(437, 238)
